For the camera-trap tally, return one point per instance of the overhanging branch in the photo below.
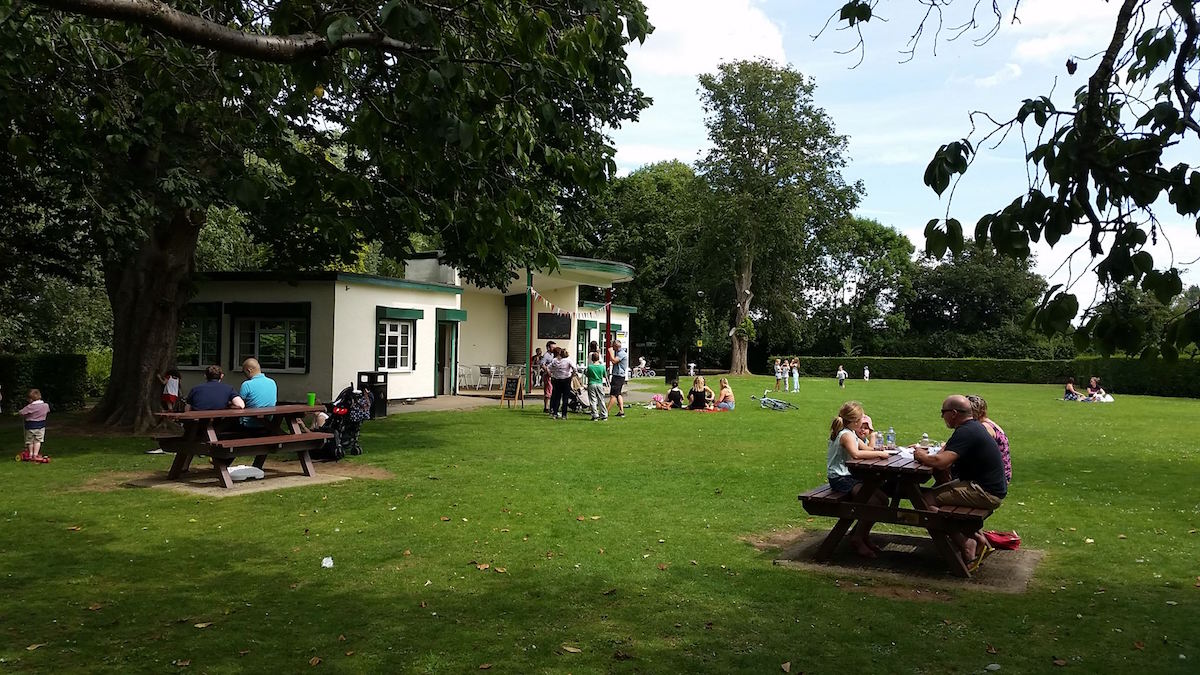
(199, 31)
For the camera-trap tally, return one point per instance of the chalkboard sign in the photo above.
(514, 390)
(553, 326)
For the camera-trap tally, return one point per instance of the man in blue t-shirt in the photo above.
(618, 358)
(213, 394)
(259, 391)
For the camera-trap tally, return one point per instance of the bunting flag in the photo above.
(592, 314)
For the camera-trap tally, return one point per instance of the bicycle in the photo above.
(773, 403)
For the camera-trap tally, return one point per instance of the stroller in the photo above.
(577, 401)
(346, 414)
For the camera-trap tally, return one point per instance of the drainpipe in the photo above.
(608, 319)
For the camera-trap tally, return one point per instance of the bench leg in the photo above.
(306, 463)
(951, 552)
(179, 465)
(825, 552)
(222, 467)
(259, 461)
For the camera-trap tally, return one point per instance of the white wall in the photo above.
(483, 337)
(356, 327)
(292, 386)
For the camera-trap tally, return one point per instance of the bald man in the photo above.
(973, 461)
(258, 391)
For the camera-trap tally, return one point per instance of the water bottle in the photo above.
(878, 442)
(891, 437)
(924, 440)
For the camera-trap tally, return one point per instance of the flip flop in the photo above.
(983, 554)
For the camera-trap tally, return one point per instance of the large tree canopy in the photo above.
(488, 127)
(774, 174)
(1101, 165)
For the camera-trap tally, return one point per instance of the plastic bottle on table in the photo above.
(924, 440)
(891, 437)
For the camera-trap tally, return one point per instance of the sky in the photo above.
(895, 114)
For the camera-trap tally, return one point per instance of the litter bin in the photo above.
(375, 382)
(672, 372)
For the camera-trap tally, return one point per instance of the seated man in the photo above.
(213, 394)
(973, 460)
(258, 391)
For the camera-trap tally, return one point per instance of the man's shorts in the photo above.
(616, 385)
(965, 493)
(35, 436)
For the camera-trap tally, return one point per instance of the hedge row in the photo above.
(1118, 375)
(62, 379)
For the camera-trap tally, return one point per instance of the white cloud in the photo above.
(1051, 30)
(694, 36)
(1008, 73)
(633, 155)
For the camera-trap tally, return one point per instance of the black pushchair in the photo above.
(576, 399)
(346, 413)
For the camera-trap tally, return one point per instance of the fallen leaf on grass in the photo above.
(786, 666)
(485, 666)
(182, 663)
(504, 529)
(482, 566)
(1089, 540)
(294, 586)
(694, 562)
(204, 624)
(621, 656)
(350, 653)
(991, 649)
(445, 519)
(407, 552)
(663, 566)
(74, 528)
(595, 517)
(501, 570)
(243, 652)
(1059, 662)
(423, 605)
(35, 646)
(1121, 536)
(1139, 645)
(341, 638)
(314, 661)
(609, 591)
(946, 621)
(571, 650)
(1197, 582)
(95, 606)
(581, 518)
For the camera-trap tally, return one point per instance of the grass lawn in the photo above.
(611, 547)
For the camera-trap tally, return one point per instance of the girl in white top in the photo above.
(845, 444)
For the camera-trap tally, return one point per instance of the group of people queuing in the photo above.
(1095, 392)
(562, 379)
(973, 469)
(699, 397)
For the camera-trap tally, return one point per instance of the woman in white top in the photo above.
(845, 444)
(562, 369)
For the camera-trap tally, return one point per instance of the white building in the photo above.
(314, 332)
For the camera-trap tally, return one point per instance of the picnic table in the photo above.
(907, 475)
(218, 435)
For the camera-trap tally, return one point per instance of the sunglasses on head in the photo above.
(946, 410)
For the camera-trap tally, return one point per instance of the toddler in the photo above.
(35, 428)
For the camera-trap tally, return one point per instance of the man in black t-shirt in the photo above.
(973, 460)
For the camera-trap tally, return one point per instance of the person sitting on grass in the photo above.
(844, 444)
(1069, 394)
(675, 395)
(34, 415)
(699, 395)
(972, 463)
(725, 398)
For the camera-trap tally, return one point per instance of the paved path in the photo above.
(638, 390)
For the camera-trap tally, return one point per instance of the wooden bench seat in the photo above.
(823, 493)
(272, 441)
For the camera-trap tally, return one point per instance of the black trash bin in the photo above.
(671, 370)
(375, 382)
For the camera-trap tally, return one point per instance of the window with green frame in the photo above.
(198, 344)
(278, 344)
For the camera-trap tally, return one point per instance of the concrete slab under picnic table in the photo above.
(202, 479)
(907, 560)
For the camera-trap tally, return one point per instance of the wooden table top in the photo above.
(296, 409)
(896, 464)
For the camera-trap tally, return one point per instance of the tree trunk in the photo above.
(743, 296)
(146, 294)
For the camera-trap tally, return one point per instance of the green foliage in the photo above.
(1105, 163)
(225, 244)
(1118, 375)
(62, 379)
(40, 312)
(99, 368)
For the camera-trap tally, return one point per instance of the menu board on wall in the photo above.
(553, 326)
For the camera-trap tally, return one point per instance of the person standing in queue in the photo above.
(619, 358)
(547, 359)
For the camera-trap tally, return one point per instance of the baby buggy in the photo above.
(344, 421)
(577, 401)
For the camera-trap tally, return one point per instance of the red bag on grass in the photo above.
(1010, 541)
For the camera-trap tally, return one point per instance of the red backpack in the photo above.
(1006, 540)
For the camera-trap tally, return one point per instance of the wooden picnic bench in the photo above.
(907, 475)
(218, 434)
